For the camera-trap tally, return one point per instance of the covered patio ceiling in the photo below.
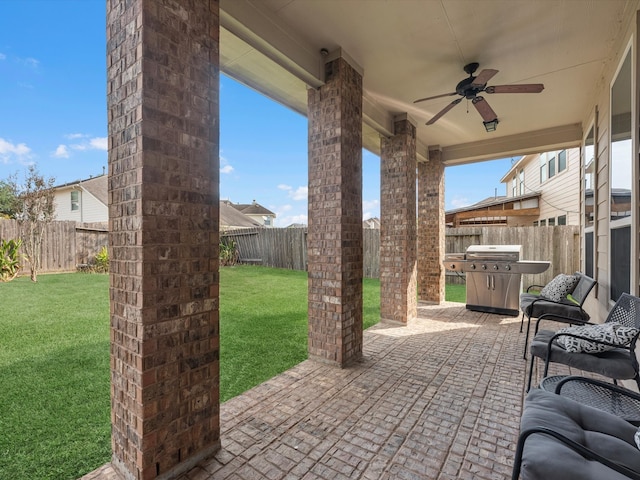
(410, 49)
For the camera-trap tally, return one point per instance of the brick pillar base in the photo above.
(162, 92)
(431, 229)
(335, 234)
(398, 224)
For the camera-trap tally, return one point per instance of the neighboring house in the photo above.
(372, 223)
(84, 201)
(260, 214)
(542, 189)
(232, 219)
(556, 177)
(497, 210)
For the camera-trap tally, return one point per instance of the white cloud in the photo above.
(459, 202)
(30, 62)
(370, 204)
(9, 151)
(290, 219)
(87, 142)
(300, 193)
(61, 152)
(225, 165)
(99, 143)
(284, 208)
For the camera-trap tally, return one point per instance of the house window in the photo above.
(589, 178)
(620, 178)
(562, 160)
(543, 223)
(551, 222)
(267, 221)
(562, 219)
(75, 200)
(588, 253)
(543, 167)
(535, 224)
(514, 186)
(521, 175)
(552, 166)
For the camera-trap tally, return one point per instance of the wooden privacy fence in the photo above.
(287, 247)
(66, 244)
(560, 245)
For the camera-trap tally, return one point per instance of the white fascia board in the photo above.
(258, 27)
(555, 138)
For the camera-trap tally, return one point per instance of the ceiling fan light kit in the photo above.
(471, 87)
(491, 125)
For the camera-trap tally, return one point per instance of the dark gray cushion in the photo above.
(612, 364)
(566, 308)
(545, 457)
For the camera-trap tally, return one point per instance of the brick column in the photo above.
(335, 216)
(398, 223)
(431, 228)
(162, 90)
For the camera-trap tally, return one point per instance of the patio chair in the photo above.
(563, 439)
(583, 344)
(533, 305)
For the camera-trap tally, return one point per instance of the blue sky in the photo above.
(53, 114)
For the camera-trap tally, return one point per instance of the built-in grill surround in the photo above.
(493, 276)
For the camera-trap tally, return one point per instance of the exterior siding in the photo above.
(91, 209)
(554, 199)
(599, 303)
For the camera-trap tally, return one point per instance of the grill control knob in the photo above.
(484, 267)
(507, 267)
(472, 266)
(495, 267)
(453, 266)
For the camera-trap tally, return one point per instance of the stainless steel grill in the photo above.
(494, 276)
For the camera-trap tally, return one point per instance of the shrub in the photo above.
(228, 252)
(9, 259)
(101, 264)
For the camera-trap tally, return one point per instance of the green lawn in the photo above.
(54, 359)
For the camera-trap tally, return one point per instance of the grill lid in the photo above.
(494, 252)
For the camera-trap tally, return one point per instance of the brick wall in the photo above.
(431, 234)
(398, 224)
(335, 216)
(162, 88)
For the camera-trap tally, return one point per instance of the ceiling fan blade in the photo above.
(522, 88)
(483, 77)
(431, 98)
(443, 111)
(484, 109)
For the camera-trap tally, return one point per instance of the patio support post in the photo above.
(162, 94)
(335, 256)
(431, 228)
(398, 247)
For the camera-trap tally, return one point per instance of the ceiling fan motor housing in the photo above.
(467, 89)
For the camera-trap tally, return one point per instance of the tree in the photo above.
(35, 210)
(8, 200)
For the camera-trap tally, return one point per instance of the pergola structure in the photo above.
(354, 68)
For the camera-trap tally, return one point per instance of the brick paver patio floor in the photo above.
(438, 399)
